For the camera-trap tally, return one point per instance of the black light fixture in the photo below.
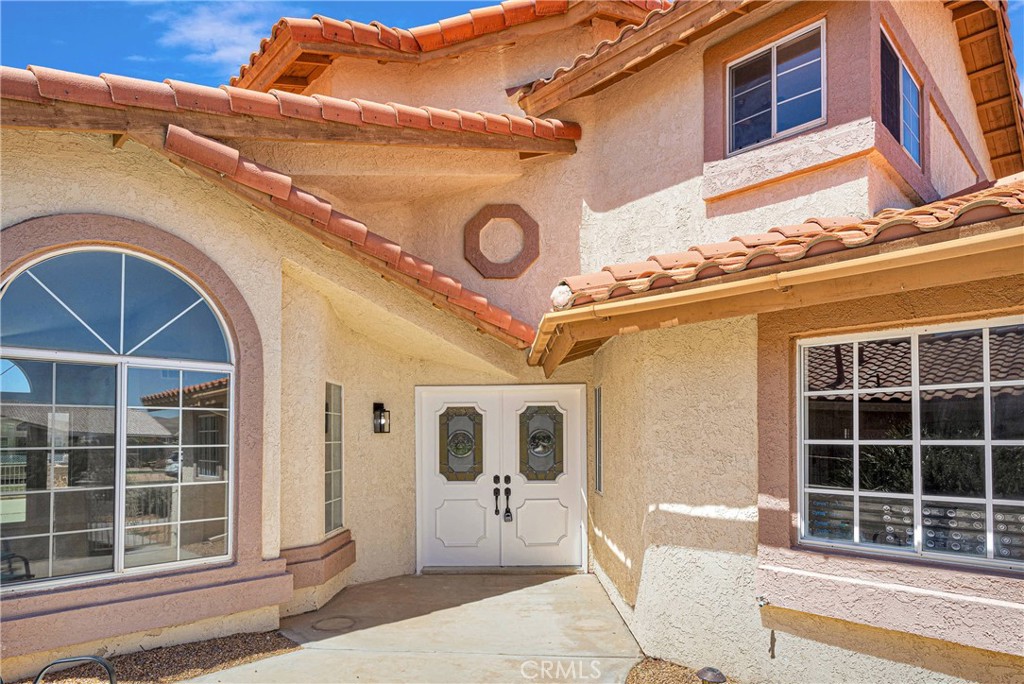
(381, 419)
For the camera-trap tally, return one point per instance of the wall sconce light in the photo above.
(381, 419)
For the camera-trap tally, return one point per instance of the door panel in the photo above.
(543, 455)
(459, 437)
(529, 439)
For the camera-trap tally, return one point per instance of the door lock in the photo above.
(508, 511)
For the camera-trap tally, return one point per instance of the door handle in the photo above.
(508, 511)
(497, 493)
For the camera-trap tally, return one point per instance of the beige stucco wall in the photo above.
(950, 170)
(674, 535)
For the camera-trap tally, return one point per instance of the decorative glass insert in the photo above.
(541, 443)
(914, 442)
(109, 461)
(332, 458)
(460, 451)
(778, 90)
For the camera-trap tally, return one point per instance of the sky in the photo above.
(203, 42)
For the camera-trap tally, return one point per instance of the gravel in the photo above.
(184, 661)
(654, 671)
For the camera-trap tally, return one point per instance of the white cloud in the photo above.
(219, 34)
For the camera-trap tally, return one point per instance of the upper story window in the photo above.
(115, 420)
(779, 90)
(901, 101)
(912, 442)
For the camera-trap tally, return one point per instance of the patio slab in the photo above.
(455, 628)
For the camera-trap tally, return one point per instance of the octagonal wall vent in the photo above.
(501, 241)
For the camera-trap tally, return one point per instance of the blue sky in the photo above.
(203, 42)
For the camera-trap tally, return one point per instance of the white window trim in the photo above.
(121, 362)
(920, 102)
(823, 119)
(916, 554)
(342, 527)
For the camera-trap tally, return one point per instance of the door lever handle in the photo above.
(508, 511)
(497, 493)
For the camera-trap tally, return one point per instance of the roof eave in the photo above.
(989, 249)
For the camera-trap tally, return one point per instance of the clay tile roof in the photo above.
(786, 244)
(385, 41)
(44, 85)
(385, 256)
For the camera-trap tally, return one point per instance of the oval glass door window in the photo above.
(541, 443)
(460, 449)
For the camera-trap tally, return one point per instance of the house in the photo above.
(721, 301)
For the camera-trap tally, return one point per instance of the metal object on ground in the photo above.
(79, 659)
(711, 676)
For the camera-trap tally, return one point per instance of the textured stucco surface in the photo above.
(675, 533)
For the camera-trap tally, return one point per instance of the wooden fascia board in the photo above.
(636, 48)
(1011, 78)
(995, 251)
(155, 142)
(69, 116)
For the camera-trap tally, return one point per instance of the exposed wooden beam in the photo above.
(561, 347)
(986, 71)
(980, 35)
(292, 81)
(995, 102)
(314, 60)
(68, 116)
(969, 10)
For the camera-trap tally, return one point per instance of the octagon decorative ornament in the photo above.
(516, 266)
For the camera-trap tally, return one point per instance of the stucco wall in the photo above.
(674, 536)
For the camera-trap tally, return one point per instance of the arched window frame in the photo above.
(122, 362)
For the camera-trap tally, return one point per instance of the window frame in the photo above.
(904, 66)
(772, 48)
(598, 443)
(916, 553)
(121, 363)
(327, 414)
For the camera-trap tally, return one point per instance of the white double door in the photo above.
(500, 475)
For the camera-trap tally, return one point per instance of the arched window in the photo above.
(115, 419)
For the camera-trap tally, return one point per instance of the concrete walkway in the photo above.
(455, 628)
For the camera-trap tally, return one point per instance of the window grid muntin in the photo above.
(731, 150)
(918, 494)
(104, 358)
(120, 448)
(330, 524)
(903, 98)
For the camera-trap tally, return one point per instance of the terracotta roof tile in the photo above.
(71, 87)
(298, 106)
(44, 85)
(444, 33)
(139, 93)
(421, 275)
(786, 244)
(200, 98)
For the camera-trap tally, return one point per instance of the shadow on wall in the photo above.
(929, 654)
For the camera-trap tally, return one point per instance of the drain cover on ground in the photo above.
(334, 624)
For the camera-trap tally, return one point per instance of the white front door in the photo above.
(500, 475)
